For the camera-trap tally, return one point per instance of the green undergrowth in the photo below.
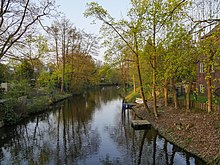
(131, 97)
(13, 110)
(201, 99)
(8, 111)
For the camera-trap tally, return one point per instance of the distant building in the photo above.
(201, 82)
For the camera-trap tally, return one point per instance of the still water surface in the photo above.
(87, 130)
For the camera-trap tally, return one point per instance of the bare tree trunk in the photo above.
(165, 89)
(154, 88)
(57, 55)
(63, 72)
(154, 68)
(63, 59)
(135, 51)
(188, 89)
(134, 84)
(174, 94)
(141, 84)
(139, 75)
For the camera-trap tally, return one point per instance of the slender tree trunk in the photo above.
(135, 51)
(188, 89)
(165, 89)
(174, 94)
(63, 60)
(154, 88)
(154, 68)
(139, 74)
(134, 84)
(57, 54)
(141, 85)
(63, 72)
(209, 89)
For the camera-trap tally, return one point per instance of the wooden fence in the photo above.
(197, 105)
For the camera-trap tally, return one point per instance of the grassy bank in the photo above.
(13, 110)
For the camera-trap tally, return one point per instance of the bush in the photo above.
(18, 89)
(9, 115)
(1, 93)
(38, 104)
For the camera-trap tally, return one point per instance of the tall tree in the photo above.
(54, 32)
(17, 17)
(95, 10)
(160, 18)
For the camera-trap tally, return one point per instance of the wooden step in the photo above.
(140, 124)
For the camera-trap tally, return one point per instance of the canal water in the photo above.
(87, 130)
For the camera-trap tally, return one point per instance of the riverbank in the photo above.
(196, 132)
(13, 111)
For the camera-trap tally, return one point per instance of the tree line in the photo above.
(41, 48)
(159, 44)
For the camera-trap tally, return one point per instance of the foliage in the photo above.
(38, 104)
(25, 71)
(47, 79)
(3, 73)
(19, 88)
(110, 75)
(80, 72)
(8, 109)
(130, 98)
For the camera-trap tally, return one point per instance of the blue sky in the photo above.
(74, 9)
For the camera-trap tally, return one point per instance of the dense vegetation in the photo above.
(42, 63)
(159, 44)
(154, 48)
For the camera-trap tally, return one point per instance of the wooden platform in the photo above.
(140, 124)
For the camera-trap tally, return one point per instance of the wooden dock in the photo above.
(140, 124)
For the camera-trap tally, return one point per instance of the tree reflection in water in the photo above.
(62, 136)
(146, 146)
(88, 129)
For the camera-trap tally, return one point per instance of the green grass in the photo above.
(132, 97)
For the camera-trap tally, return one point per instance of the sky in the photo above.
(74, 9)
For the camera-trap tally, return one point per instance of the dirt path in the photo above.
(196, 132)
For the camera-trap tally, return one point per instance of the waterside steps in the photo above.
(140, 124)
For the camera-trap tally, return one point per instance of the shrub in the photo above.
(18, 89)
(1, 93)
(9, 115)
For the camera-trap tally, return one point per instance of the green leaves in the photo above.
(97, 11)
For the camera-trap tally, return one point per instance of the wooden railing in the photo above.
(198, 105)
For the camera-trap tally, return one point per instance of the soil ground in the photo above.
(196, 132)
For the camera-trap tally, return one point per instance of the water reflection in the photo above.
(88, 129)
(146, 146)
